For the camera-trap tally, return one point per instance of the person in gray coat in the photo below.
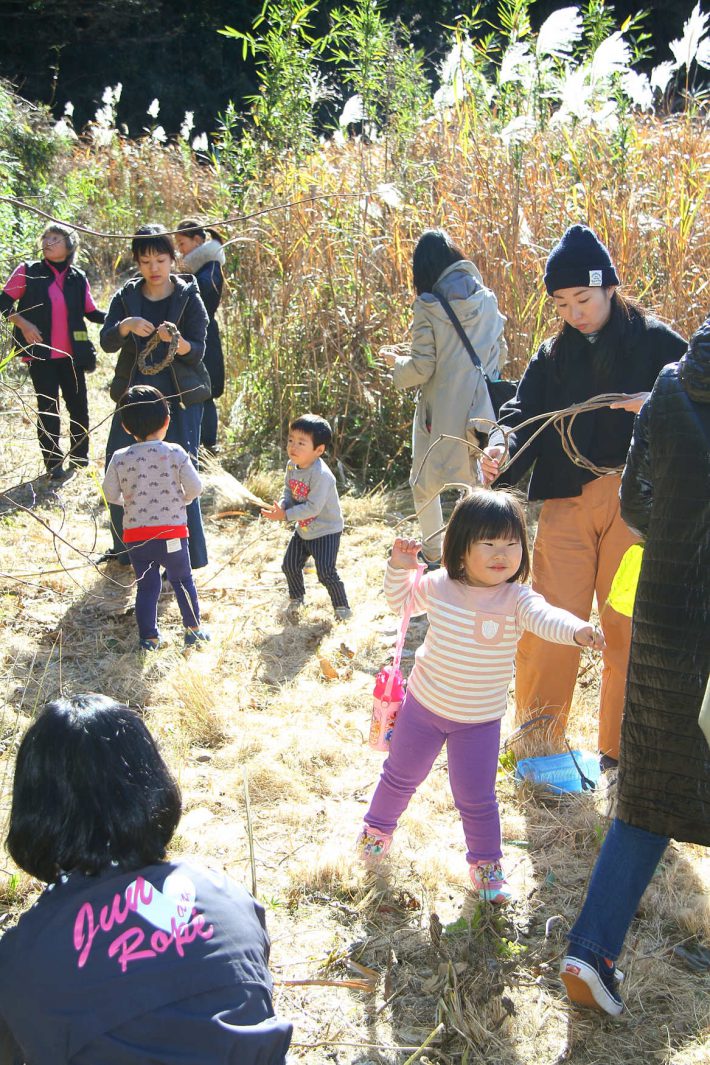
(452, 391)
(664, 763)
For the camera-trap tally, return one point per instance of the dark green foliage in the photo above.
(58, 50)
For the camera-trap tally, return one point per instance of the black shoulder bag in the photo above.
(499, 391)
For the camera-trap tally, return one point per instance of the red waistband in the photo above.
(154, 532)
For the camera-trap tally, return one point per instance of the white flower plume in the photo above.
(188, 124)
(353, 111)
(389, 194)
(515, 63)
(559, 33)
(518, 131)
(611, 57)
(154, 108)
(638, 89)
(686, 49)
(661, 75)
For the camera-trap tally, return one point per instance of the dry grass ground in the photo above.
(366, 970)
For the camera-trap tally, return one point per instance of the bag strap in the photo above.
(455, 321)
(402, 631)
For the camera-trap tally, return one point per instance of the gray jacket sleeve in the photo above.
(190, 480)
(112, 485)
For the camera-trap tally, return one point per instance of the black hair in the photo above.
(152, 237)
(69, 235)
(434, 252)
(192, 228)
(91, 789)
(314, 426)
(611, 343)
(144, 410)
(483, 514)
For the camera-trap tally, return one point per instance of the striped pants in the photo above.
(324, 551)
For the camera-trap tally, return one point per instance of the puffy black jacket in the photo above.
(188, 313)
(664, 770)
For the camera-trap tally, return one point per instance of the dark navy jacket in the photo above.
(187, 312)
(210, 280)
(164, 964)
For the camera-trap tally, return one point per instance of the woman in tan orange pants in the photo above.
(607, 344)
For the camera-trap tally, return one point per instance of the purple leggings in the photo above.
(472, 751)
(147, 558)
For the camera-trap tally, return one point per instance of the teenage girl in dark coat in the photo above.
(143, 306)
(664, 767)
(201, 254)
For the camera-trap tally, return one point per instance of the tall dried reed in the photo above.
(317, 287)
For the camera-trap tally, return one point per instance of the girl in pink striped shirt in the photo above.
(457, 692)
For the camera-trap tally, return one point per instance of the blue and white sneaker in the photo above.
(592, 981)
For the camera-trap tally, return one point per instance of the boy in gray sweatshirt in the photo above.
(310, 500)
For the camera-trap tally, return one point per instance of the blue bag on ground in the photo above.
(574, 771)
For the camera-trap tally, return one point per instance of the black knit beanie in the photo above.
(580, 260)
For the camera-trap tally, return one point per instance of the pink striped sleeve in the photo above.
(398, 584)
(551, 623)
(17, 283)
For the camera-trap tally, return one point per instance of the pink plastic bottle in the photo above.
(385, 706)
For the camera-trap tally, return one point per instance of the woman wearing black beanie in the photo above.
(607, 343)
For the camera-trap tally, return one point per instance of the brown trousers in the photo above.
(579, 544)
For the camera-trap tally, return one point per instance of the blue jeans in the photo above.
(626, 863)
(184, 429)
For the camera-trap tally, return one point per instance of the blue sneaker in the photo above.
(194, 637)
(150, 644)
(592, 981)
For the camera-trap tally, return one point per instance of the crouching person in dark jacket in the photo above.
(664, 765)
(125, 958)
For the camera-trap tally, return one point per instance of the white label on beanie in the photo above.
(595, 278)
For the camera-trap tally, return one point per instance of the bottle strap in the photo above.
(402, 632)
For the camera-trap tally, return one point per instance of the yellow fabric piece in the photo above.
(626, 579)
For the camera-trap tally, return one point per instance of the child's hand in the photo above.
(274, 513)
(404, 554)
(490, 463)
(590, 636)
